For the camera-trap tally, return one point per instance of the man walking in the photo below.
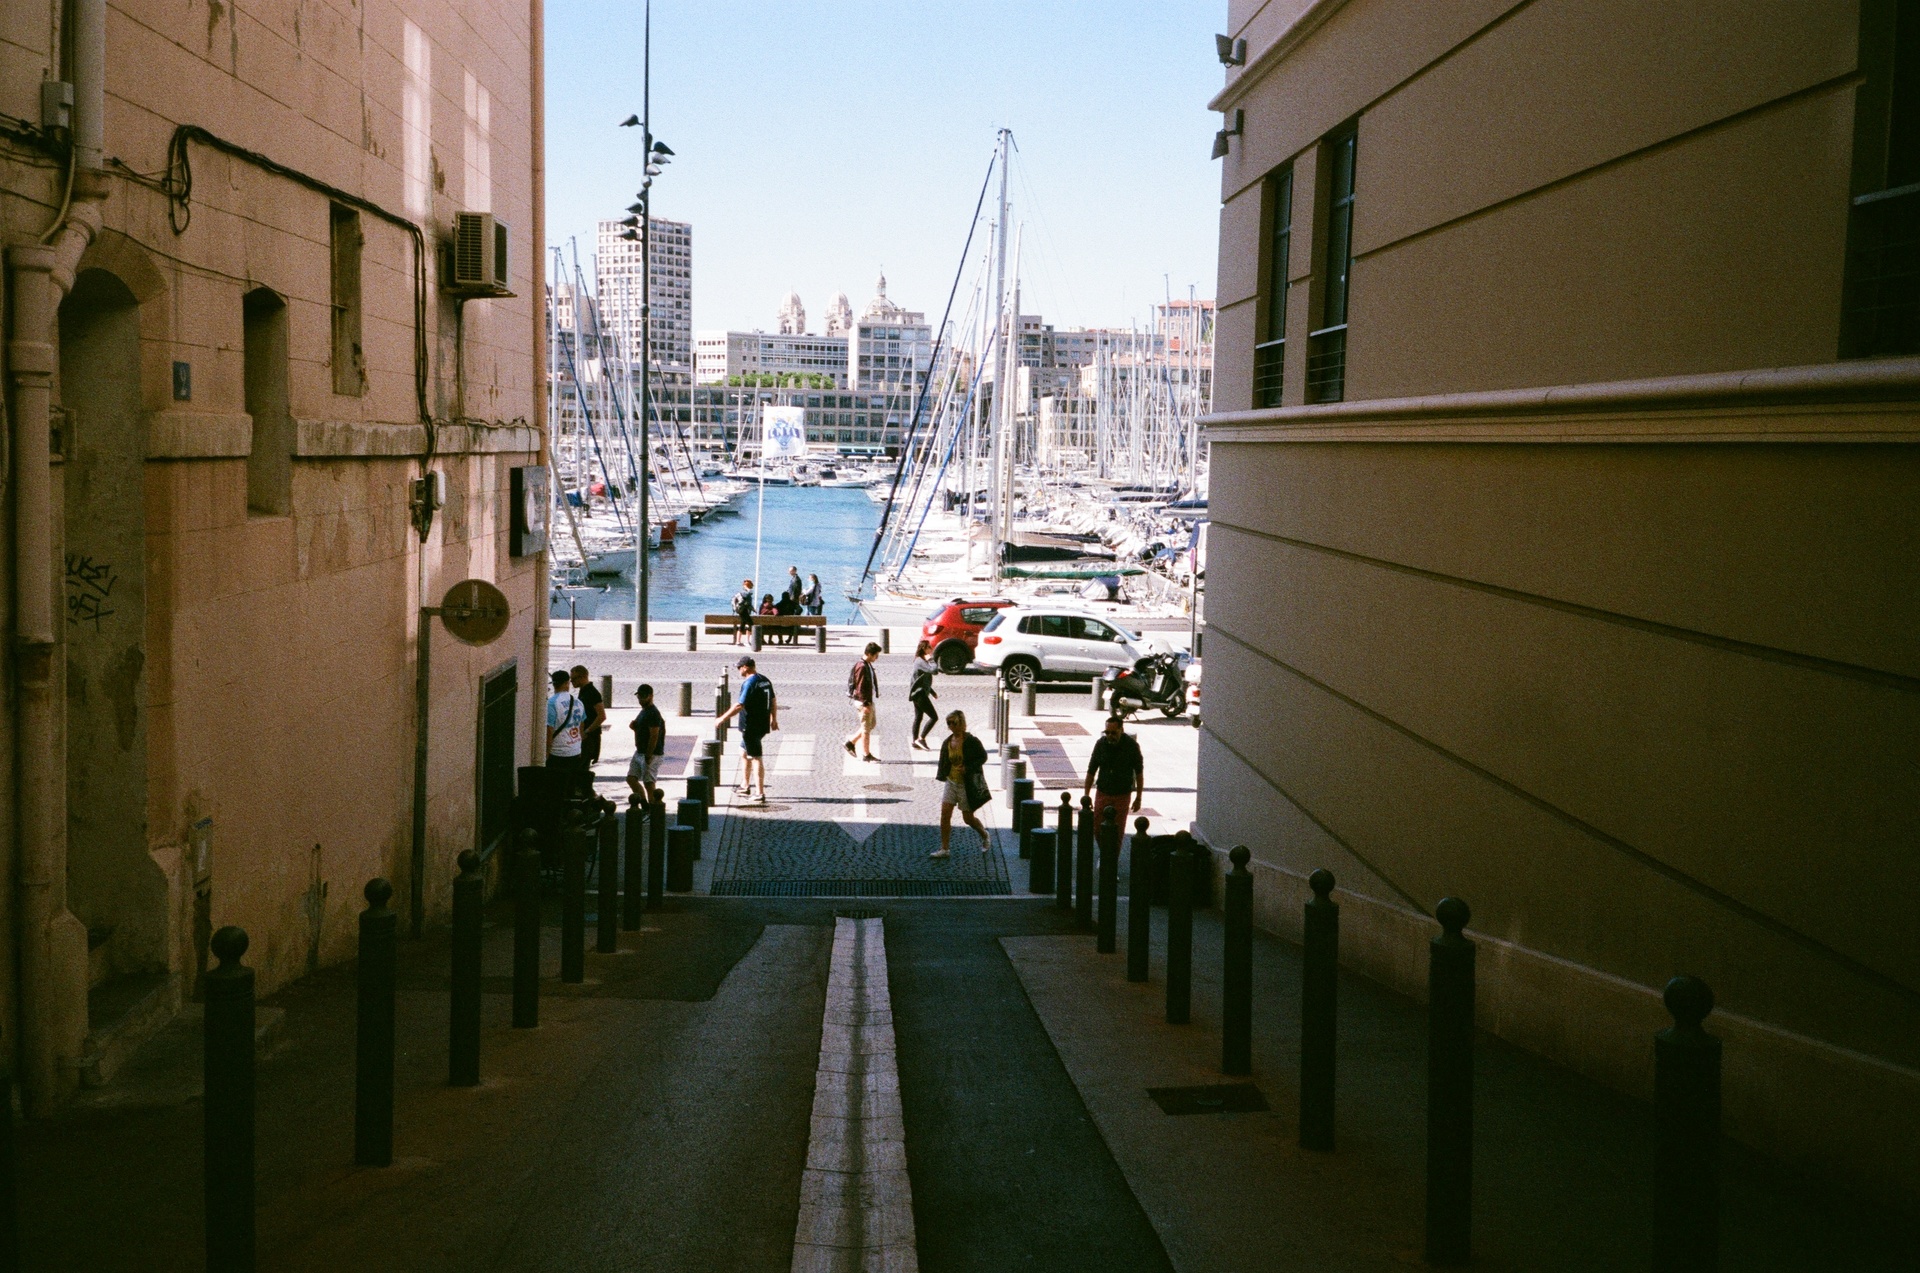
(565, 717)
(1117, 770)
(759, 712)
(743, 609)
(596, 709)
(863, 687)
(649, 746)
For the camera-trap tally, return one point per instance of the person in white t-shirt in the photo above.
(566, 715)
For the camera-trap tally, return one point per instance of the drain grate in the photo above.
(859, 888)
(1219, 1098)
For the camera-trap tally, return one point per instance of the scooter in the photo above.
(1155, 681)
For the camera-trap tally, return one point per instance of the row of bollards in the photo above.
(1686, 1058)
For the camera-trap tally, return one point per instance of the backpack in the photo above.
(759, 699)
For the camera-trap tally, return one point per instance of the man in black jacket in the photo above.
(1118, 770)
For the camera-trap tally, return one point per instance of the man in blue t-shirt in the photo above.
(649, 747)
(759, 713)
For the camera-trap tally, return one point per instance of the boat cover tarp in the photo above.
(1089, 570)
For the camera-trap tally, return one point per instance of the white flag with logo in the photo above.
(783, 432)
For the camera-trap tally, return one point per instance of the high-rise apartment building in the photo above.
(617, 269)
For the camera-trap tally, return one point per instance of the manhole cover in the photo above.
(1218, 1098)
(886, 786)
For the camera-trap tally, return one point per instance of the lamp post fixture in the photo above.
(639, 225)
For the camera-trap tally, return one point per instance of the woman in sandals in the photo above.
(963, 768)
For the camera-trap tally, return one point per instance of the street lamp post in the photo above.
(657, 154)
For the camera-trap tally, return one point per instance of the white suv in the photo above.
(1039, 643)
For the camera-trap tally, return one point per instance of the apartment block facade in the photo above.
(237, 383)
(1565, 495)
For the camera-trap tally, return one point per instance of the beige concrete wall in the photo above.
(279, 656)
(1631, 669)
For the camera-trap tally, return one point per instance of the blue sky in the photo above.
(819, 142)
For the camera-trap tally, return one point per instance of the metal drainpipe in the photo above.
(542, 567)
(53, 943)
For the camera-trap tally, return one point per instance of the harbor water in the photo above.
(827, 531)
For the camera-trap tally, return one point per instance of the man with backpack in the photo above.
(743, 609)
(759, 711)
(863, 687)
(1116, 773)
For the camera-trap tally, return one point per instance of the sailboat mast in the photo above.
(996, 512)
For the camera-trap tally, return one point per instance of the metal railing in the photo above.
(1327, 364)
(1881, 313)
(1269, 372)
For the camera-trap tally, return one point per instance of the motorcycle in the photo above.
(1155, 681)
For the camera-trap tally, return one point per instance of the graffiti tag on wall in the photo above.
(89, 590)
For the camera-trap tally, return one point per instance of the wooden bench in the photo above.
(727, 624)
(788, 623)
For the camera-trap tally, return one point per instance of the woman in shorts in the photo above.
(962, 769)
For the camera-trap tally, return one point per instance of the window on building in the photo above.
(1880, 313)
(1270, 352)
(1327, 344)
(349, 360)
(264, 372)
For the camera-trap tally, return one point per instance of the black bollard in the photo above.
(691, 813)
(681, 842)
(700, 787)
(633, 878)
(1022, 789)
(1236, 973)
(709, 768)
(1083, 866)
(1179, 934)
(227, 1106)
(1028, 816)
(683, 706)
(1108, 837)
(1029, 706)
(463, 1025)
(1450, 1088)
(1139, 911)
(1686, 1112)
(1319, 1003)
(526, 933)
(573, 903)
(1063, 855)
(607, 859)
(1043, 838)
(373, 1030)
(820, 639)
(656, 849)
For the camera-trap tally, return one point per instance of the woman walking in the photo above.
(813, 598)
(920, 693)
(963, 768)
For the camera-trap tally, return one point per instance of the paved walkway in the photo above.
(1561, 1165)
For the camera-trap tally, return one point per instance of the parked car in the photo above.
(1049, 643)
(954, 630)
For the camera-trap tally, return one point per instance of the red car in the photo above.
(954, 629)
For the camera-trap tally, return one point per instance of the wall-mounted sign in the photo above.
(474, 611)
(531, 498)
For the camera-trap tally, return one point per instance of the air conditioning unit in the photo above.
(477, 264)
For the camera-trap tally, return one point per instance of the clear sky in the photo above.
(820, 142)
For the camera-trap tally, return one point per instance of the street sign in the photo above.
(474, 612)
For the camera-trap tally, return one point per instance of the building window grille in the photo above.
(1327, 347)
(1270, 354)
(1880, 313)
